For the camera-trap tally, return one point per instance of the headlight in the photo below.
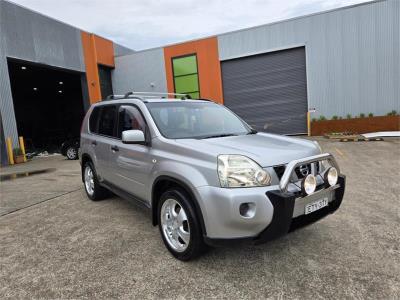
(241, 171)
(309, 184)
(331, 176)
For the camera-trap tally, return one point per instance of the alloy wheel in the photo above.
(89, 180)
(71, 153)
(175, 225)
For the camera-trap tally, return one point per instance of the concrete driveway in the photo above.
(55, 243)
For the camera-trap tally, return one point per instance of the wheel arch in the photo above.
(85, 158)
(164, 182)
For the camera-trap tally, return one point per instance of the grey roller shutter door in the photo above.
(269, 91)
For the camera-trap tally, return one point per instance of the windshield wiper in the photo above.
(219, 135)
(252, 131)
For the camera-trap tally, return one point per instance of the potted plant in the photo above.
(18, 156)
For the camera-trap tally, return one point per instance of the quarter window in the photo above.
(130, 118)
(186, 76)
(94, 120)
(107, 120)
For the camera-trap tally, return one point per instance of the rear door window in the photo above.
(107, 120)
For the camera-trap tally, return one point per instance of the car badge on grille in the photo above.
(304, 170)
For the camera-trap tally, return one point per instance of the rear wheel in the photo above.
(179, 227)
(92, 186)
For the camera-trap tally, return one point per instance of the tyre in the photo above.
(179, 227)
(71, 153)
(92, 186)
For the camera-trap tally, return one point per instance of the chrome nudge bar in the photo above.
(283, 185)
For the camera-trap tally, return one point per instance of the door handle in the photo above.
(114, 148)
(94, 143)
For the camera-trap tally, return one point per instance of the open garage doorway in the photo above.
(48, 104)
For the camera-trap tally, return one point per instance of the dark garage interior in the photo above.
(48, 104)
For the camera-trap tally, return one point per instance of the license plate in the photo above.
(316, 205)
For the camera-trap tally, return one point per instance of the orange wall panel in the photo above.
(105, 51)
(208, 64)
(92, 73)
(96, 50)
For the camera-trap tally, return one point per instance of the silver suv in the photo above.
(206, 176)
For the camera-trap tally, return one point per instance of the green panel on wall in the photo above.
(186, 84)
(184, 65)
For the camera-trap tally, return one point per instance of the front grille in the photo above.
(303, 170)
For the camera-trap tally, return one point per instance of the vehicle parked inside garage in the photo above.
(70, 148)
(207, 176)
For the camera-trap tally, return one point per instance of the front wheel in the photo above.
(179, 226)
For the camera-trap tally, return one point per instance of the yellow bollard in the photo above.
(10, 151)
(308, 123)
(22, 146)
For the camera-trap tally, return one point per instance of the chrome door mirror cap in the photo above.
(133, 137)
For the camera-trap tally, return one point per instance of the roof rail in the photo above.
(113, 97)
(128, 94)
(156, 94)
(118, 97)
(144, 95)
(205, 99)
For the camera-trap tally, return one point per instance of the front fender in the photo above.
(185, 175)
(183, 172)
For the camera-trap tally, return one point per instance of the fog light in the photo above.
(247, 210)
(331, 176)
(309, 184)
(262, 177)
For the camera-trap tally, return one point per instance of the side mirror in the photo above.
(133, 137)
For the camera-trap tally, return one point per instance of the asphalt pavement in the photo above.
(55, 243)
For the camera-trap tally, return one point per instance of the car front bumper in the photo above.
(277, 213)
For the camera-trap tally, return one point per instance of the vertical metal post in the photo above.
(308, 123)
(10, 151)
(22, 146)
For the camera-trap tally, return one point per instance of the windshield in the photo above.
(189, 119)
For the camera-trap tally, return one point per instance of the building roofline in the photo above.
(306, 16)
(262, 25)
(205, 37)
(59, 21)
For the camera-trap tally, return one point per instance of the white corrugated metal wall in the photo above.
(140, 71)
(6, 104)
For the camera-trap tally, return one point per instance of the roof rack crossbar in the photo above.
(158, 93)
(162, 94)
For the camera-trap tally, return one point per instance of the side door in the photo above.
(105, 139)
(131, 162)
